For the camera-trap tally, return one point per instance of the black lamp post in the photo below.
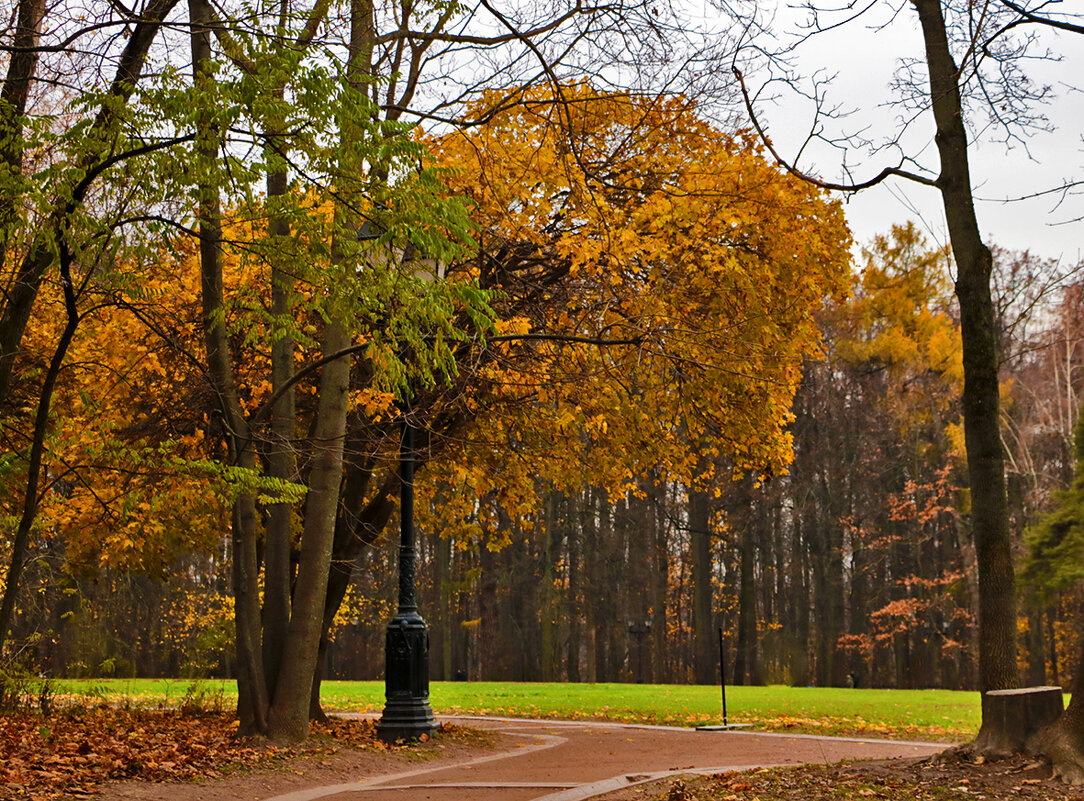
(407, 714)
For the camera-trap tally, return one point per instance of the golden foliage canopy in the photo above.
(677, 275)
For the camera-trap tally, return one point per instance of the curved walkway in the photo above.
(572, 761)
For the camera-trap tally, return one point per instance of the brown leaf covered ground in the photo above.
(938, 779)
(72, 753)
(76, 753)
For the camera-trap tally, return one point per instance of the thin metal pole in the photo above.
(407, 602)
(722, 674)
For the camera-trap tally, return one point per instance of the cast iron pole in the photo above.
(407, 714)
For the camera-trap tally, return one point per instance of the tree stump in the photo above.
(1011, 717)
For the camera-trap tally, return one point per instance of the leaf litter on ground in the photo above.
(941, 778)
(71, 753)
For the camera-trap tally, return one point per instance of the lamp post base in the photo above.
(407, 714)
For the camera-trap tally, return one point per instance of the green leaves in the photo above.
(1055, 559)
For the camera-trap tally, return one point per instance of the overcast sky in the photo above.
(863, 58)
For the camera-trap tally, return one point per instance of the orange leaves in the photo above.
(675, 234)
(899, 316)
(73, 752)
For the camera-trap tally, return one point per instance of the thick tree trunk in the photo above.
(288, 716)
(251, 688)
(985, 460)
(298, 679)
(1063, 742)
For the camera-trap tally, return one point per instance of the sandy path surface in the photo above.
(558, 761)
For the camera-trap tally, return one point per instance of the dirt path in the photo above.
(534, 761)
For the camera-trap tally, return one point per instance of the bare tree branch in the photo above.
(887, 172)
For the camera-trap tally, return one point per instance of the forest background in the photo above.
(657, 397)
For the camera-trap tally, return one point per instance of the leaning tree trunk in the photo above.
(92, 161)
(1063, 742)
(20, 546)
(985, 460)
(356, 529)
(251, 690)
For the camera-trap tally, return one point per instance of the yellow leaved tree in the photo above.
(672, 273)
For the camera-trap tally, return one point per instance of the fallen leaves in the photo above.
(897, 780)
(73, 752)
(840, 726)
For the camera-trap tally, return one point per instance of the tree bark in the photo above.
(20, 546)
(573, 596)
(357, 527)
(281, 462)
(981, 393)
(288, 716)
(251, 687)
(747, 608)
(703, 630)
(1063, 741)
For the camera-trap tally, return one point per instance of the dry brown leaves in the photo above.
(1018, 779)
(71, 753)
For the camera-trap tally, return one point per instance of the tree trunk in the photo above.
(288, 716)
(661, 669)
(22, 65)
(20, 546)
(703, 630)
(549, 544)
(489, 662)
(747, 609)
(1036, 647)
(298, 678)
(573, 597)
(985, 460)
(281, 462)
(23, 292)
(251, 687)
(1063, 741)
(443, 627)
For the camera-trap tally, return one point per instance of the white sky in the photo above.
(863, 61)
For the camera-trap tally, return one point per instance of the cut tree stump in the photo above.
(1013, 716)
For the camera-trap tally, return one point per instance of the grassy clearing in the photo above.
(916, 714)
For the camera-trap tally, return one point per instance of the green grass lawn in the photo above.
(916, 714)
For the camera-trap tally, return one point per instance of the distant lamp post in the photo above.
(407, 714)
(640, 629)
